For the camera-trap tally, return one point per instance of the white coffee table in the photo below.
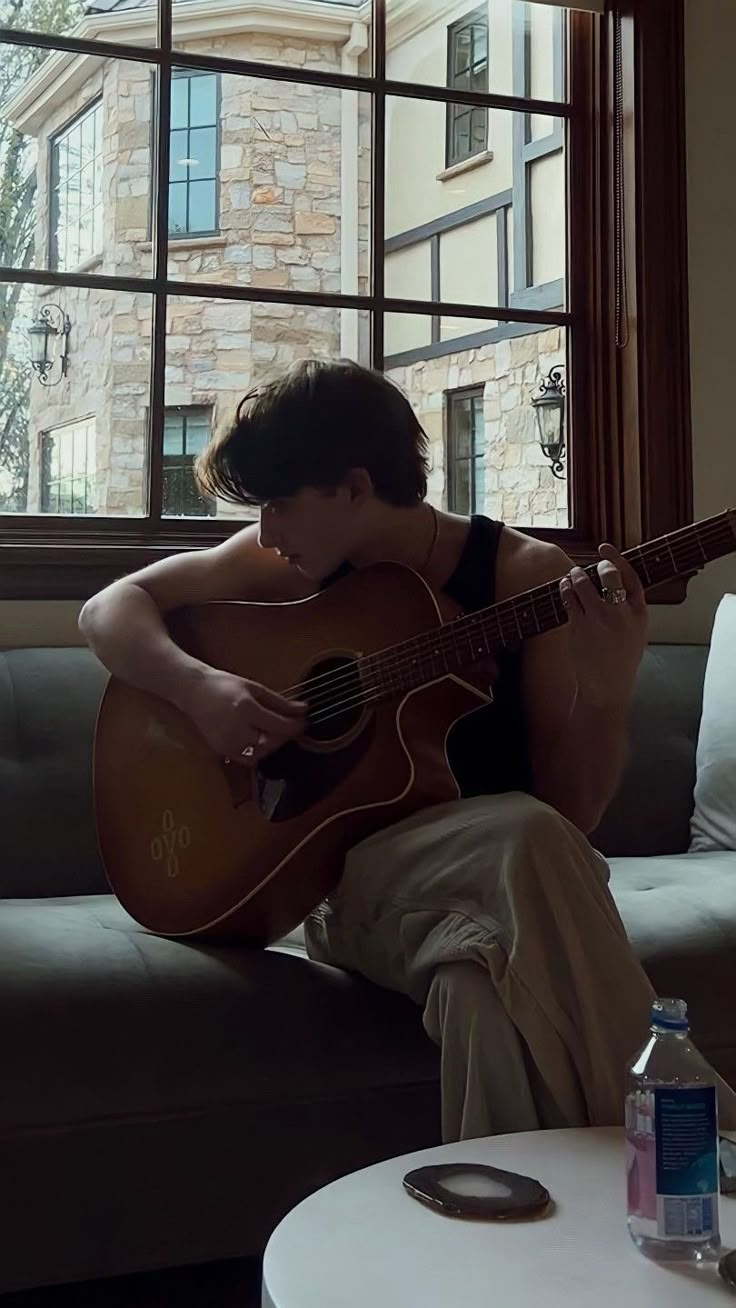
(363, 1242)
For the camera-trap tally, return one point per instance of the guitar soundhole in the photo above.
(333, 692)
(294, 778)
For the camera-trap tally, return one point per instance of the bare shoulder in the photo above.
(259, 574)
(236, 569)
(523, 562)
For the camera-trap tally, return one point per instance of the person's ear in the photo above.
(359, 485)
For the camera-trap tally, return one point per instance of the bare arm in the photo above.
(125, 627)
(577, 686)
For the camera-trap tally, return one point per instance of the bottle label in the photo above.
(672, 1162)
(686, 1151)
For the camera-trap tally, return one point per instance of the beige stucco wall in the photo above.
(711, 145)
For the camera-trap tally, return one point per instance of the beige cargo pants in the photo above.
(494, 915)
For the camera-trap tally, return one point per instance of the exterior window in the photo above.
(467, 70)
(195, 154)
(465, 451)
(68, 482)
(76, 191)
(186, 432)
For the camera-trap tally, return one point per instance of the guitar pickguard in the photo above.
(295, 778)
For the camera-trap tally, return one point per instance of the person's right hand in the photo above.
(242, 720)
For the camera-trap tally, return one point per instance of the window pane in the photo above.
(107, 383)
(178, 157)
(498, 233)
(178, 207)
(460, 484)
(513, 477)
(179, 102)
(519, 37)
(201, 207)
(459, 414)
(203, 100)
(173, 435)
(60, 205)
(198, 433)
(203, 152)
(292, 200)
(219, 349)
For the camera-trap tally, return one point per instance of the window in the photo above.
(186, 432)
(465, 452)
(194, 153)
(76, 191)
(320, 176)
(467, 70)
(68, 468)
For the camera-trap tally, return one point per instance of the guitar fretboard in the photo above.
(476, 636)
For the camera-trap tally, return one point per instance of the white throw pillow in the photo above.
(713, 824)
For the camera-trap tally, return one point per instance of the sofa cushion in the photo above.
(107, 1022)
(680, 914)
(713, 823)
(650, 814)
(48, 706)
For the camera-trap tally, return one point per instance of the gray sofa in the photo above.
(164, 1103)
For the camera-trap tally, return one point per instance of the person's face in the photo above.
(314, 529)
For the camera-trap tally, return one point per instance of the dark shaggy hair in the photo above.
(308, 428)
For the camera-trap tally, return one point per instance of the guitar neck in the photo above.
(489, 631)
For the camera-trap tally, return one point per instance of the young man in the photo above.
(492, 912)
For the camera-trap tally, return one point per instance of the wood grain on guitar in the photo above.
(194, 846)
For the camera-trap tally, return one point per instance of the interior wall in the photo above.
(711, 151)
(38, 622)
(711, 143)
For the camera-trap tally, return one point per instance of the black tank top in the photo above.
(488, 749)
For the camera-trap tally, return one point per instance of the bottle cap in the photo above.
(671, 1014)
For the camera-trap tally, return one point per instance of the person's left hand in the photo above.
(607, 640)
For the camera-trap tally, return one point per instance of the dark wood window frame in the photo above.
(629, 399)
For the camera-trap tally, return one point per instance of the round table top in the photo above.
(363, 1242)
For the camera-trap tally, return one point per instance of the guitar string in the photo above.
(432, 646)
(367, 694)
(394, 663)
(515, 604)
(442, 641)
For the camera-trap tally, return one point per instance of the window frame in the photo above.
(185, 411)
(629, 403)
(478, 16)
(53, 179)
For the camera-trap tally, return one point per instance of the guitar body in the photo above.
(197, 846)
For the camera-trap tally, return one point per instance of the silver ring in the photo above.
(617, 596)
(250, 750)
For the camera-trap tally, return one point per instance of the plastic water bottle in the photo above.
(672, 1143)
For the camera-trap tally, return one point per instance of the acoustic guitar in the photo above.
(194, 845)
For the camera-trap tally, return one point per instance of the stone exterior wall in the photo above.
(280, 216)
(520, 487)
